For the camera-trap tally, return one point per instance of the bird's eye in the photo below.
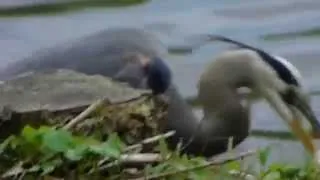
(294, 95)
(289, 95)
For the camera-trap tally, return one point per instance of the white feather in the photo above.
(295, 72)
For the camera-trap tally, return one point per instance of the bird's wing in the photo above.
(101, 53)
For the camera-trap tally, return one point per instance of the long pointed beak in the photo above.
(301, 107)
(303, 136)
(290, 114)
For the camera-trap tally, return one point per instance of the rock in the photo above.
(60, 90)
(56, 96)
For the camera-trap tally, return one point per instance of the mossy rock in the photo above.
(54, 97)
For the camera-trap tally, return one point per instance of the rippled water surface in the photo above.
(172, 20)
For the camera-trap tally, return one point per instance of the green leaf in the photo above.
(163, 148)
(57, 140)
(201, 174)
(115, 141)
(272, 176)
(44, 129)
(114, 145)
(178, 164)
(31, 135)
(111, 148)
(160, 168)
(276, 167)
(234, 165)
(198, 160)
(106, 149)
(77, 153)
(263, 155)
(290, 172)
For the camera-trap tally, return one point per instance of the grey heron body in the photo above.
(110, 52)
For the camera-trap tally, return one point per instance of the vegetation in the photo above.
(83, 151)
(65, 6)
(56, 153)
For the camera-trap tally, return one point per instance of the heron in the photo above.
(137, 57)
(226, 108)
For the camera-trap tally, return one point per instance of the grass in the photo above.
(54, 153)
(315, 32)
(62, 7)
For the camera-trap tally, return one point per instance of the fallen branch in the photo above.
(17, 170)
(144, 142)
(205, 165)
(84, 114)
(150, 140)
(140, 158)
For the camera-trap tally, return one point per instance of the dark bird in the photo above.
(127, 55)
(159, 76)
(136, 57)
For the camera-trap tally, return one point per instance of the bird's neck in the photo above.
(225, 121)
(223, 107)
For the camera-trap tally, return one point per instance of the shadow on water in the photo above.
(63, 6)
(314, 32)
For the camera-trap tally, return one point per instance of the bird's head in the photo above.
(157, 72)
(280, 83)
(158, 75)
(284, 91)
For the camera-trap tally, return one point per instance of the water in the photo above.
(173, 20)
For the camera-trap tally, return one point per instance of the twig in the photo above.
(143, 142)
(150, 140)
(95, 106)
(17, 170)
(22, 175)
(205, 165)
(84, 114)
(140, 158)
